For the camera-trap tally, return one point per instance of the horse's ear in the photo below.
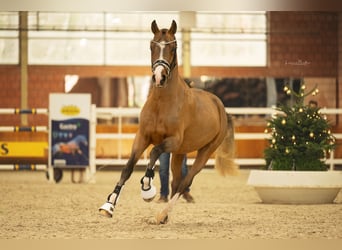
(154, 27)
(173, 27)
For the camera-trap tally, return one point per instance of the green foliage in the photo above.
(300, 135)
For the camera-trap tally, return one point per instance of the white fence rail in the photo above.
(120, 113)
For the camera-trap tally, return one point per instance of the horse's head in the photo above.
(163, 53)
(80, 139)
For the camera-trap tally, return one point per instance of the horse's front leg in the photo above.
(148, 190)
(107, 208)
(139, 146)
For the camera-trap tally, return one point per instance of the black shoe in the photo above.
(163, 199)
(188, 197)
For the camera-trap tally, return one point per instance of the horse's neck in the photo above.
(175, 86)
(175, 82)
(167, 100)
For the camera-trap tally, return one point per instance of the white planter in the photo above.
(296, 187)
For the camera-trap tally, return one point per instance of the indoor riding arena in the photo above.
(85, 95)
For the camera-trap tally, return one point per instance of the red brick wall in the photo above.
(303, 37)
(293, 36)
(9, 93)
(339, 65)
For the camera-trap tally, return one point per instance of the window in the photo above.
(62, 47)
(92, 38)
(9, 38)
(229, 39)
(122, 38)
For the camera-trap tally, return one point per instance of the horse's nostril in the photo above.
(163, 79)
(154, 78)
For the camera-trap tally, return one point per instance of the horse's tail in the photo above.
(225, 153)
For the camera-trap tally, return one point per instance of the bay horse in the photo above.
(177, 119)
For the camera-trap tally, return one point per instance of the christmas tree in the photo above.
(300, 135)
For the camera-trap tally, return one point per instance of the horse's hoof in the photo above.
(105, 213)
(107, 210)
(148, 195)
(162, 218)
(149, 200)
(165, 220)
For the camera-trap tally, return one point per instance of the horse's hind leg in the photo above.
(176, 166)
(148, 190)
(179, 186)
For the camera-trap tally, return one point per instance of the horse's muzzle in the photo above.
(160, 82)
(161, 70)
(160, 76)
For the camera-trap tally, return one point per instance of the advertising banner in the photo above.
(20, 149)
(69, 123)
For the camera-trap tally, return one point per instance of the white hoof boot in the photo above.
(107, 209)
(148, 195)
(148, 190)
